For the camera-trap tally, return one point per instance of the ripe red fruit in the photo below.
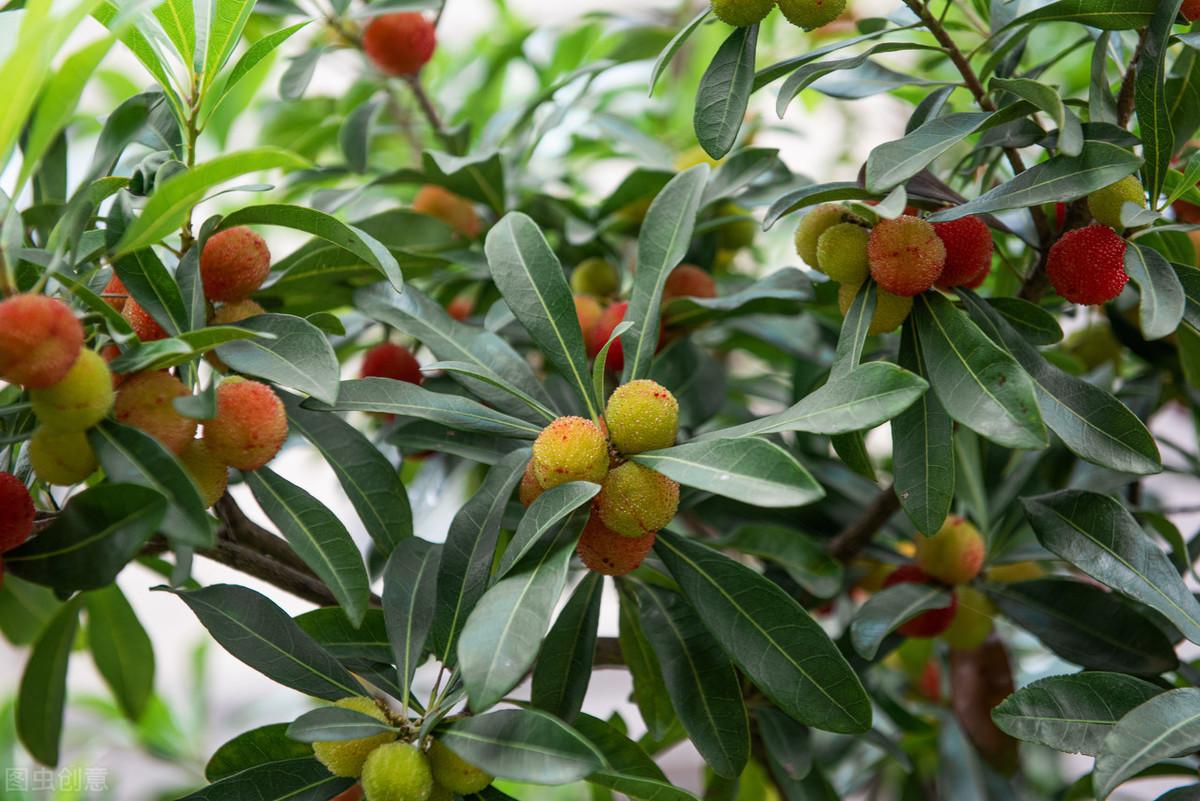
(906, 255)
(454, 210)
(602, 330)
(400, 44)
(1191, 10)
(145, 326)
(40, 340)
(969, 250)
(1087, 265)
(690, 281)
(926, 624)
(115, 293)
(461, 307)
(145, 401)
(605, 551)
(391, 361)
(234, 264)
(16, 512)
(588, 311)
(250, 426)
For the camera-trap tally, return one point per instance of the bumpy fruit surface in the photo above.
(810, 14)
(597, 277)
(635, 501)
(606, 552)
(250, 426)
(16, 512)
(588, 311)
(141, 321)
(209, 472)
(397, 772)
(642, 416)
(530, 489)
(39, 340)
(1191, 10)
(926, 624)
(570, 449)
(1014, 572)
(814, 224)
(234, 264)
(842, 253)
(612, 317)
(454, 210)
(391, 361)
(689, 281)
(906, 255)
(890, 310)
(229, 313)
(954, 554)
(114, 292)
(61, 457)
(346, 757)
(741, 13)
(80, 400)
(455, 773)
(1087, 265)
(1106, 204)
(969, 249)
(146, 402)
(400, 44)
(972, 620)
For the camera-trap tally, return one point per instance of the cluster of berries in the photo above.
(807, 14)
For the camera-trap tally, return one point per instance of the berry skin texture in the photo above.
(529, 490)
(740, 13)
(906, 255)
(39, 340)
(589, 311)
(209, 473)
(688, 281)
(141, 321)
(346, 757)
(397, 772)
(969, 248)
(606, 552)
(954, 554)
(400, 44)
(454, 210)
(597, 277)
(1087, 265)
(115, 293)
(810, 14)
(1191, 10)
(972, 621)
(1106, 204)
(842, 253)
(391, 361)
(250, 426)
(635, 501)
(145, 402)
(890, 310)
(61, 458)
(80, 400)
(815, 223)
(926, 624)
(16, 512)
(642, 416)
(612, 317)
(570, 449)
(234, 264)
(455, 773)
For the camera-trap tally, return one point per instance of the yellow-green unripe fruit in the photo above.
(815, 223)
(810, 14)
(596, 277)
(972, 621)
(348, 757)
(455, 773)
(642, 416)
(954, 554)
(570, 449)
(1105, 204)
(80, 400)
(210, 473)
(61, 457)
(890, 310)
(735, 235)
(741, 13)
(635, 500)
(1014, 572)
(440, 793)
(397, 772)
(842, 253)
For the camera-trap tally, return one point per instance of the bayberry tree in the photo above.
(645, 399)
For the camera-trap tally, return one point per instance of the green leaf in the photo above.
(178, 21)
(479, 176)
(677, 41)
(260, 746)
(486, 376)
(778, 293)
(298, 779)
(121, 649)
(409, 591)
(167, 207)
(700, 680)
(1046, 98)
(812, 195)
(1162, 306)
(1099, 536)
(162, 354)
(541, 517)
(649, 686)
(1150, 98)
(25, 609)
(91, 539)
(1072, 714)
(253, 56)
(564, 667)
(154, 289)
(226, 23)
(1163, 727)
(787, 744)
(531, 279)
(893, 163)
(869, 76)
(802, 556)
(319, 538)
(627, 768)
(724, 92)
(43, 690)
(116, 19)
(748, 469)
(523, 745)
(1036, 325)
(330, 627)
(663, 241)
(888, 609)
(254, 630)
(332, 724)
(1103, 14)
(770, 637)
(980, 385)
(299, 355)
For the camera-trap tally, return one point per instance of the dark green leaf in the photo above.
(542, 516)
(523, 745)
(888, 609)
(1163, 727)
(724, 92)
(1103, 14)
(297, 779)
(803, 557)
(564, 667)
(260, 746)
(330, 627)
(43, 690)
(409, 592)
(299, 356)
(1150, 98)
(121, 649)
(332, 723)
(1161, 309)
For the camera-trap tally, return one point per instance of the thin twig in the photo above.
(850, 541)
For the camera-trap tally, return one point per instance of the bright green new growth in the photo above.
(1106, 204)
(842, 253)
(397, 772)
(454, 773)
(810, 14)
(347, 757)
(741, 13)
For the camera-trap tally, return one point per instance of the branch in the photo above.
(852, 539)
(1125, 100)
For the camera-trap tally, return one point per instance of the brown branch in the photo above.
(1125, 100)
(856, 536)
(425, 103)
